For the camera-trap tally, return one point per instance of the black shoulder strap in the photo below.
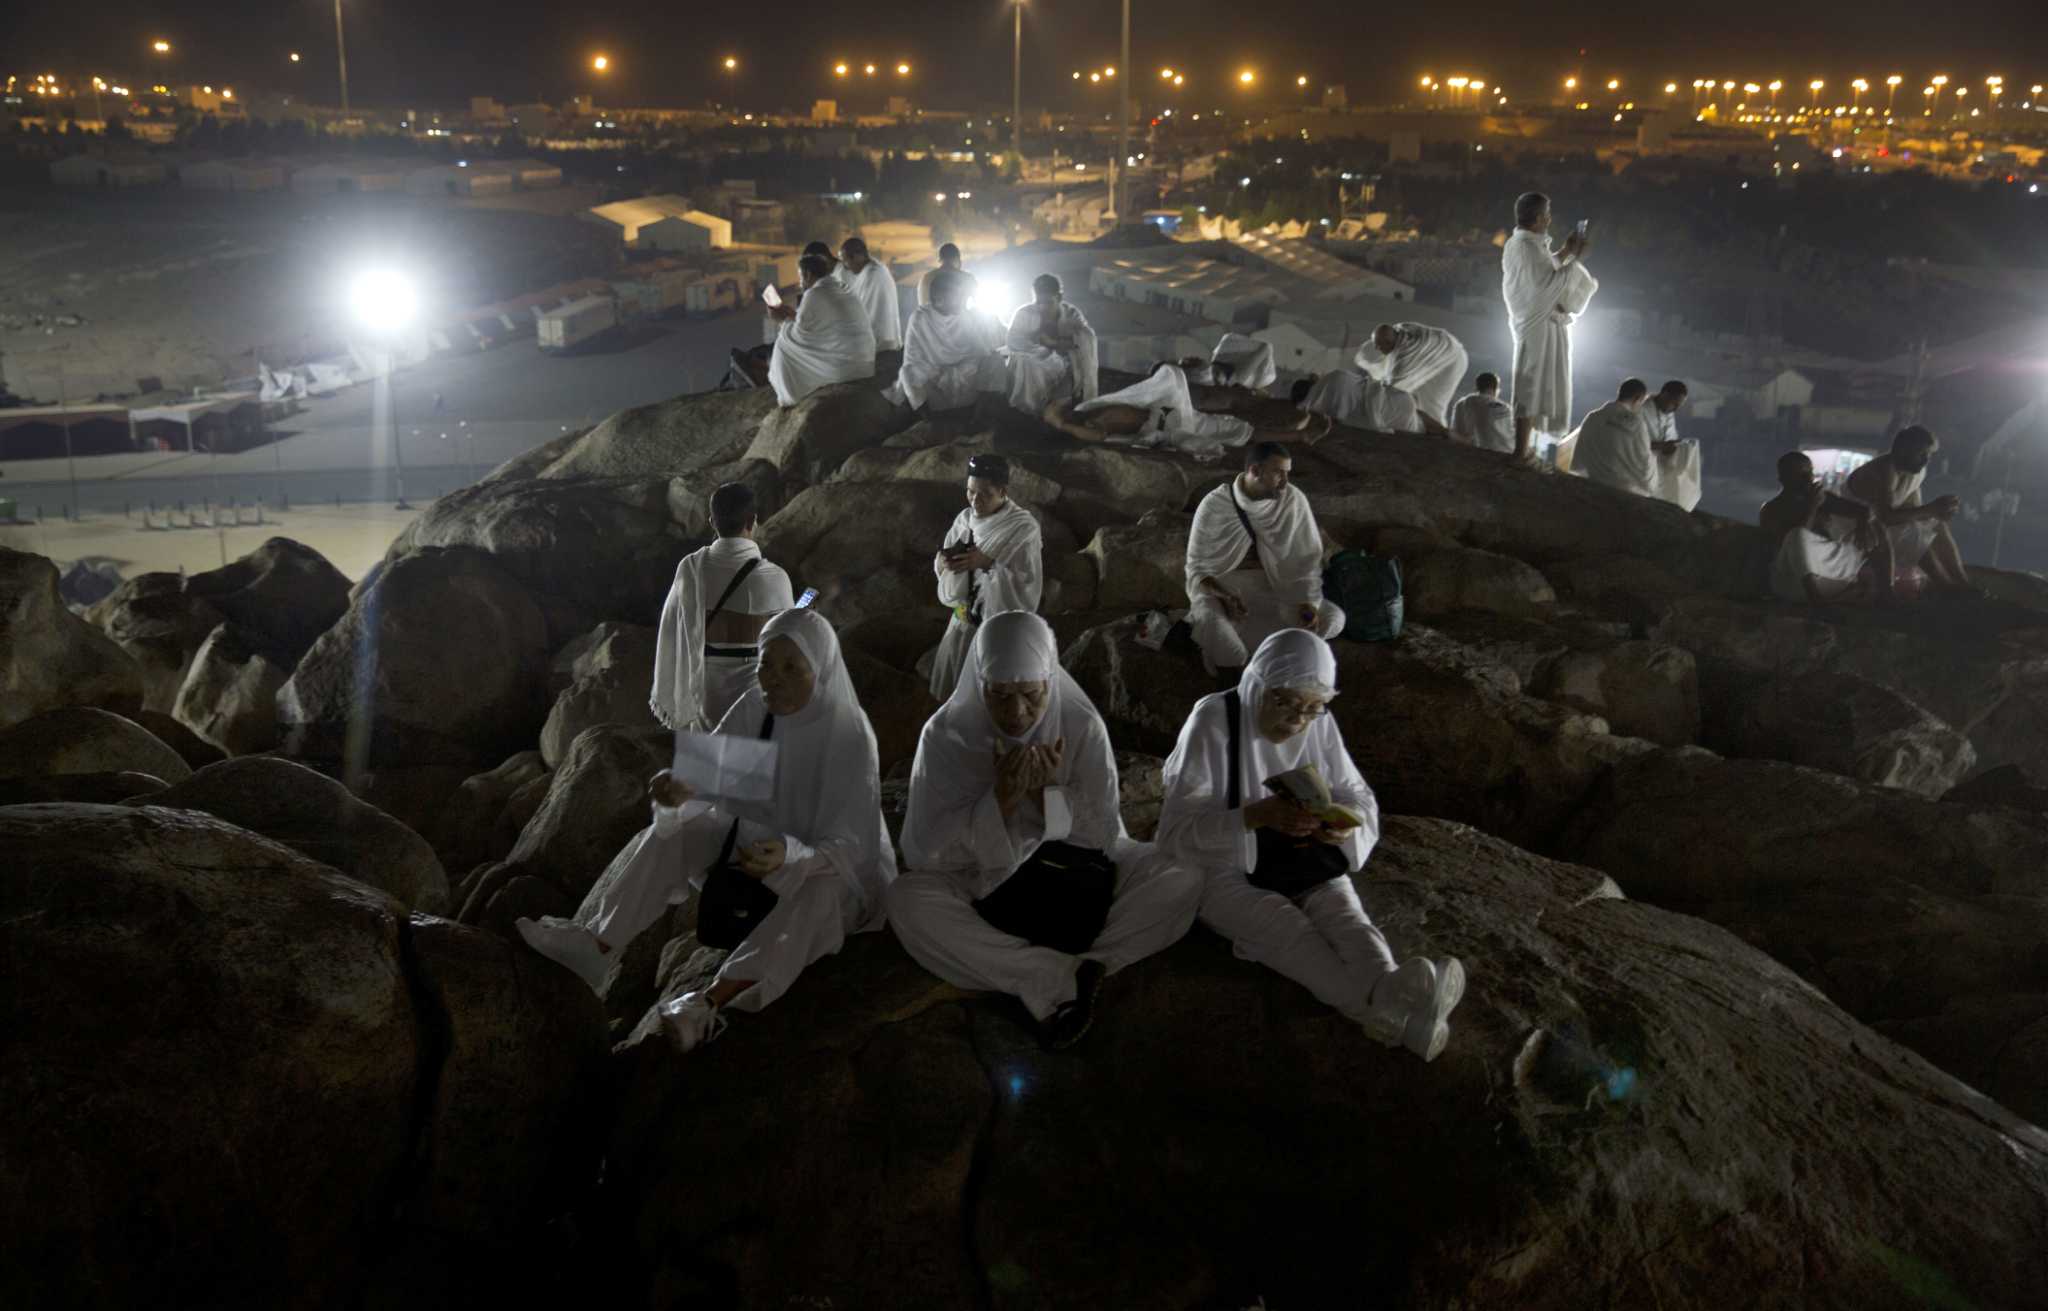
(732, 834)
(731, 587)
(1242, 517)
(1233, 712)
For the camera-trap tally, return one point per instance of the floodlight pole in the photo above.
(397, 438)
(341, 56)
(1123, 127)
(1017, 91)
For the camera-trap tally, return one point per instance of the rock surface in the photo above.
(229, 696)
(282, 596)
(154, 619)
(1843, 724)
(50, 657)
(81, 740)
(1439, 583)
(1121, 1173)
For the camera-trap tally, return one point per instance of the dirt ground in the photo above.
(194, 288)
(353, 538)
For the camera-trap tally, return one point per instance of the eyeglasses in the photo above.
(1288, 705)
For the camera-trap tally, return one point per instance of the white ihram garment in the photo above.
(1288, 576)
(1484, 421)
(1612, 447)
(1427, 363)
(1912, 539)
(1011, 538)
(1805, 552)
(827, 811)
(1322, 940)
(1535, 282)
(876, 291)
(695, 686)
(1038, 374)
(949, 359)
(1358, 401)
(1173, 420)
(958, 847)
(828, 341)
(1250, 360)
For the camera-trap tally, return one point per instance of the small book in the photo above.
(1306, 786)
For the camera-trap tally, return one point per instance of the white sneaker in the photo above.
(1417, 1000)
(691, 1021)
(568, 944)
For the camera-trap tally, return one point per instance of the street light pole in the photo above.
(397, 437)
(1017, 90)
(1123, 127)
(341, 55)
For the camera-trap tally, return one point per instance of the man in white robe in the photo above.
(824, 339)
(1890, 486)
(1678, 458)
(1427, 363)
(704, 650)
(1169, 420)
(952, 354)
(1612, 447)
(1255, 562)
(1353, 398)
(1241, 361)
(1052, 350)
(1829, 548)
(1545, 293)
(1481, 418)
(992, 561)
(1013, 806)
(1278, 881)
(949, 262)
(871, 285)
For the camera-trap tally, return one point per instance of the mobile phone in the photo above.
(773, 298)
(810, 595)
(1581, 226)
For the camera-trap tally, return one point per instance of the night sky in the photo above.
(437, 52)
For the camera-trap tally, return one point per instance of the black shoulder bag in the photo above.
(733, 902)
(746, 569)
(1288, 866)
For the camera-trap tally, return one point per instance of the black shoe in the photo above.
(1072, 1020)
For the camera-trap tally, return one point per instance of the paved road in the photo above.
(492, 406)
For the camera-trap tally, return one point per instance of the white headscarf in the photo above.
(1197, 775)
(828, 789)
(952, 822)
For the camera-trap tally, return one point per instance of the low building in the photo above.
(349, 176)
(115, 169)
(462, 178)
(233, 175)
(625, 218)
(1205, 288)
(690, 230)
(531, 174)
(1332, 277)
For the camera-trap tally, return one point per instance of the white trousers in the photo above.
(1434, 394)
(1324, 941)
(1227, 643)
(655, 871)
(935, 919)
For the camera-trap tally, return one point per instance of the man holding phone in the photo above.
(991, 561)
(1545, 290)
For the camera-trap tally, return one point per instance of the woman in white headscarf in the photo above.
(1020, 877)
(820, 846)
(1277, 879)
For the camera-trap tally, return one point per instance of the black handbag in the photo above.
(1059, 898)
(733, 902)
(1288, 866)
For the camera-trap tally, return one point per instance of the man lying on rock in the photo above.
(780, 883)
(1830, 548)
(1160, 411)
(1255, 563)
(1276, 868)
(1019, 877)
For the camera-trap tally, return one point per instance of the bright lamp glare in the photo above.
(993, 296)
(383, 301)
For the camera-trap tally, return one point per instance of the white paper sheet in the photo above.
(720, 767)
(771, 296)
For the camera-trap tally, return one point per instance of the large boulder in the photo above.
(943, 463)
(441, 660)
(1900, 909)
(320, 819)
(1439, 583)
(229, 696)
(472, 828)
(866, 547)
(1609, 1058)
(1838, 722)
(82, 740)
(810, 439)
(897, 701)
(50, 657)
(1142, 566)
(1144, 695)
(608, 673)
(1642, 689)
(155, 620)
(686, 435)
(281, 595)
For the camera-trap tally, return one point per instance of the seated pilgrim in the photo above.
(949, 262)
(992, 560)
(1235, 361)
(1890, 485)
(1019, 877)
(952, 353)
(1277, 864)
(1481, 418)
(1427, 363)
(1052, 350)
(705, 648)
(1255, 562)
(1830, 548)
(1356, 399)
(781, 882)
(870, 283)
(1612, 444)
(824, 338)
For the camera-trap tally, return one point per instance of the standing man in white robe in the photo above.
(1355, 399)
(1013, 809)
(818, 844)
(952, 353)
(1611, 445)
(1052, 350)
(1481, 418)
(1255, 563)
(705, 648)
(823, 339)
(1545, 292)
(1427, 363)
(1890, 486)
(872, 286)
(992, 561)
(1278, 881)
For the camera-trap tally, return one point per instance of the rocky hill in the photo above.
(1754, 899)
